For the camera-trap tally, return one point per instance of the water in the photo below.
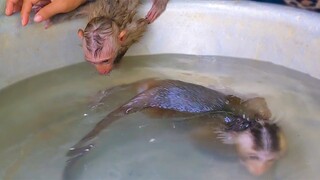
(42, 117)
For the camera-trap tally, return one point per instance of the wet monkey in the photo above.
(245, 123)
(112, 28)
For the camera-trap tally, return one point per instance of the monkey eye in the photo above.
(271, 160)
(107, 61)
(253, 157)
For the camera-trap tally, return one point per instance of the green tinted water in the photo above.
(42, 117)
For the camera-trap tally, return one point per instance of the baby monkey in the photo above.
(111, 30)
(246, 123)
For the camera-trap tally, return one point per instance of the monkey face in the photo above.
(101, 53)
(256, 161)
(101, 43)
(103, 62)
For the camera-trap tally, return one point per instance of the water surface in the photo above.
(43, 116)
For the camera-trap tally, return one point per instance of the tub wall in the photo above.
(282, 35)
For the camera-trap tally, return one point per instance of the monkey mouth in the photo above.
(105, 73)
(103, 69)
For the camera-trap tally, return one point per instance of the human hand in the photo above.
(45, 8)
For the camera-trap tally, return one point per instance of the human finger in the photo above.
(25, 12)
(9, 7)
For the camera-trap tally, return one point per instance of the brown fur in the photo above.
(259, 141)
(112, 28)
(108, 18)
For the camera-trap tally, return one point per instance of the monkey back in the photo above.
(185, 97)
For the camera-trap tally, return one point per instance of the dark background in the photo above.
(311, 5)
(271, 1)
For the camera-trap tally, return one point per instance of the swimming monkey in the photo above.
(246, 123)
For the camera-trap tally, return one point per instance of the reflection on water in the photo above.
(45, 115)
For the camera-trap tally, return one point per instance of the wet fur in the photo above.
(177, 96)
(188, 98)
(122, 12)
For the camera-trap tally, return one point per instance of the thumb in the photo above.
(48, 11)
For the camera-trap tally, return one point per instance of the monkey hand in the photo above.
(156, 10)
(142, 22)
(42, 3)
(44, 8)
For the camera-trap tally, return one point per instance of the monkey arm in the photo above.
(156, 10)
(137, 87)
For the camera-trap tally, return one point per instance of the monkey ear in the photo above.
(225, 137)
(80, 33)
(122, 36)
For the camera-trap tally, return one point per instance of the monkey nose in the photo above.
(103, 69)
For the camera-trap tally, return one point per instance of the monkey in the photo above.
(246, 123)
(258, 147)
(112, 28)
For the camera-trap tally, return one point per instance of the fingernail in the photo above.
(37, 18)
(23, 22)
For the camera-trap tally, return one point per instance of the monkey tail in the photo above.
(137, 103)
(86, 144)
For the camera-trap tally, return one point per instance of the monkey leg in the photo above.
(256, 108)
(138, 87)
(101, 96)
(206, 139)
(167, 113)
(86, 143)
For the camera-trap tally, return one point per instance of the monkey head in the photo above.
(258, 146)
(101, 43)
